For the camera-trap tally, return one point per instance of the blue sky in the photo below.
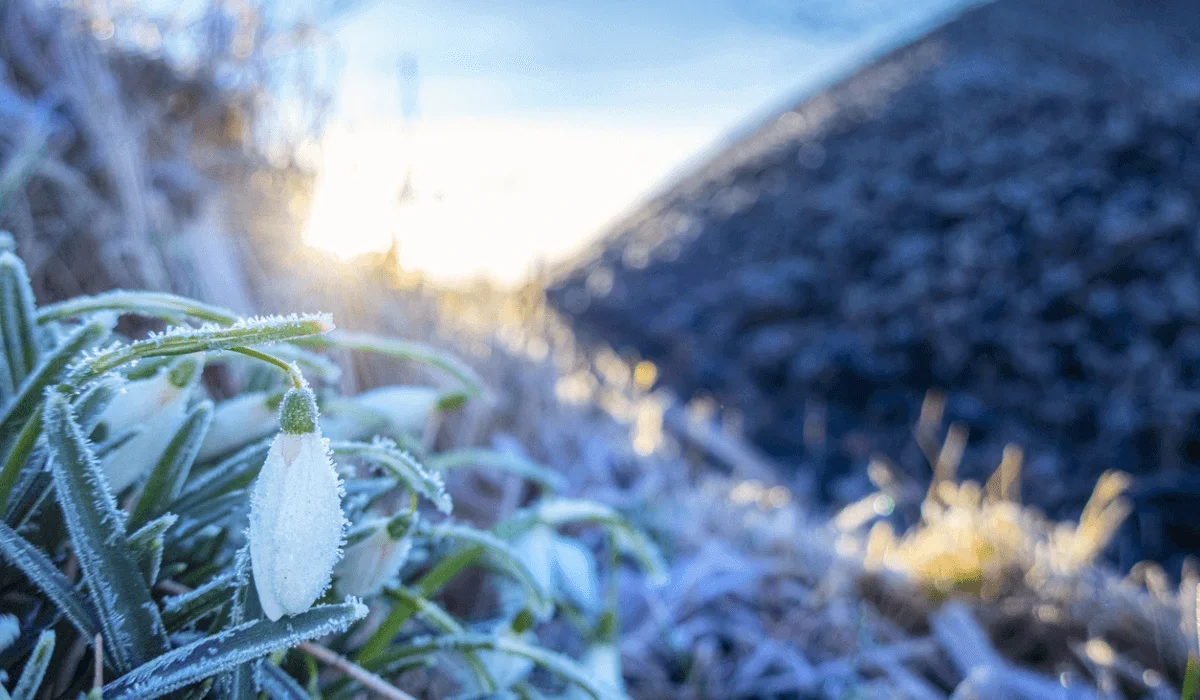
(540, 122)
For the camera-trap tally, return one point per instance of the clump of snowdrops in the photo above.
(288, 540)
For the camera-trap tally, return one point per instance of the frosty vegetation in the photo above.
(161, 539)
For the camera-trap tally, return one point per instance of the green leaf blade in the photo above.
(53, 367)
(226, 650)
(278, 685)
(38, 568)
(133, 629)
(166, 480)
(17, 318)
(35, 668)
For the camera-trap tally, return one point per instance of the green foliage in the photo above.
(161, 574)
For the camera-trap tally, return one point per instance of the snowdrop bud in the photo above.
(154, 407)
(407, 408)
(145, 397)
(296, 521)
(374, 561)
(603, 664)
(239, 421)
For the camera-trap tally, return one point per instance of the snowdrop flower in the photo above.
(154, 408)
(375, 560)
(602, 664)
(507, 669)
(239, 421)
(408, 409)
(296, 521)
(562, 567)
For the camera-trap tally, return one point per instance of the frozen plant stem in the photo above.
(293, 372)
(365, 678)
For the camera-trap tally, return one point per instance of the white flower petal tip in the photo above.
(238, 422)
(372, 563)
(296, 520)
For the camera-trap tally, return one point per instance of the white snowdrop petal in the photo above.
(603, 663)
(506, 669)
(535, 548)
(406, 408)
(135, 458)
(237, 422)
(296, 524)
(370, 564)
(575, 573)
(140, 400)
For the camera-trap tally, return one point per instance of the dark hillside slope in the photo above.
(1006, 210)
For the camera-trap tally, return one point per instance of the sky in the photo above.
(486, 136)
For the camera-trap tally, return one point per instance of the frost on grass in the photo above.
(385, 453)
(319, 322)
(127, 614)
(223, 651)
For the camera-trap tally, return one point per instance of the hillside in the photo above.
(1003, 211)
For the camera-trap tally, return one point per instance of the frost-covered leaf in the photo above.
(51, 370)
(17, 320)
(185, 340)
(147, 546)
(38, 568)
(166, 480)
(235, 472)
(182, 610)
(133, 630)
(557, 664)
(239, 422)
(399, 464)
(506, 557)
(92, 403)
(35, 668)
(403, 350)
(209, 656)
(271, 679)
(215, 511)
(495, 459)
(169, 307)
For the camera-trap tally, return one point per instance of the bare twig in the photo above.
(368, 680)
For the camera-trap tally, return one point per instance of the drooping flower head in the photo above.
(376, 557)
(154, 408)
(239, 421)
(408, 410)
(296, 520)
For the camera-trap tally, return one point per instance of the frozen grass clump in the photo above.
(280, 538)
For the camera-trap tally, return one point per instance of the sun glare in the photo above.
(483, 198)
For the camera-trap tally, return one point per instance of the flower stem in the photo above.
(293, 372)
